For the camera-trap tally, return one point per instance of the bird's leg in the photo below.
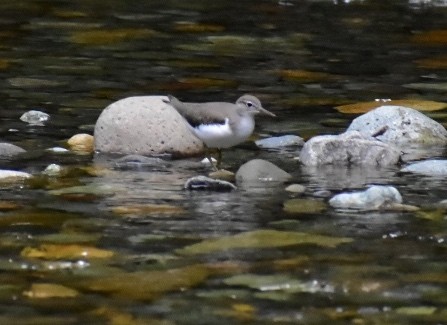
(219, 158)
(208, 156)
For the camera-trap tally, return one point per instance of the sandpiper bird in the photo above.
(218, 124)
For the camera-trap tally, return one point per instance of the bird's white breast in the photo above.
(223, 135)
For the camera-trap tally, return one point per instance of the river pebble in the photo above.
(35, 117)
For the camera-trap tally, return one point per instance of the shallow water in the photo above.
(127, 245)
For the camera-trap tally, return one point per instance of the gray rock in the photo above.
(350, 148)
(144, 125)
(401, 126)
(53, 170)
(204, 183)
(259, 170)
(8, 150)
(374, 198)
(34, 117)
(283, 141)
(428, 167)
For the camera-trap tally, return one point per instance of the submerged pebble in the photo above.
(374, 198)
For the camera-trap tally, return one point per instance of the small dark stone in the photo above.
(203, 183)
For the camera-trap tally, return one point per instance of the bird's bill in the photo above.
(263, 111)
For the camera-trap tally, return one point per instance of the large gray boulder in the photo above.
(400, 126)
(144, 125)
(8, 150)
(350, 148)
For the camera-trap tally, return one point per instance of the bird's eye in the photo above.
(249, 104)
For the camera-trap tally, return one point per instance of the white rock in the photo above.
(428, 167)
(373, 198)
(144, 125)
(34, 117)
(57, 149)
(401, 126)
(349, 148)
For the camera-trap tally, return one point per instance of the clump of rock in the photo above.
(400, 126)
(374, 198)
(261, 171)
(350, 148)
(144, 125)
(379, 137)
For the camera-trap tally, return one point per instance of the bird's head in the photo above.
(252, 105)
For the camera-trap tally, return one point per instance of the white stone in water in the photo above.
(11, 174)
(206, 161)
(373, 198)
(428, 167)
(296, 188)
(282, 141)
(34, 117)
(53, 170)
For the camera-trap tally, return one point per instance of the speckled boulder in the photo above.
(349, 148)
(144, 125)
(400, 126)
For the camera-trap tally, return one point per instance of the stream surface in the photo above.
(106, 243)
